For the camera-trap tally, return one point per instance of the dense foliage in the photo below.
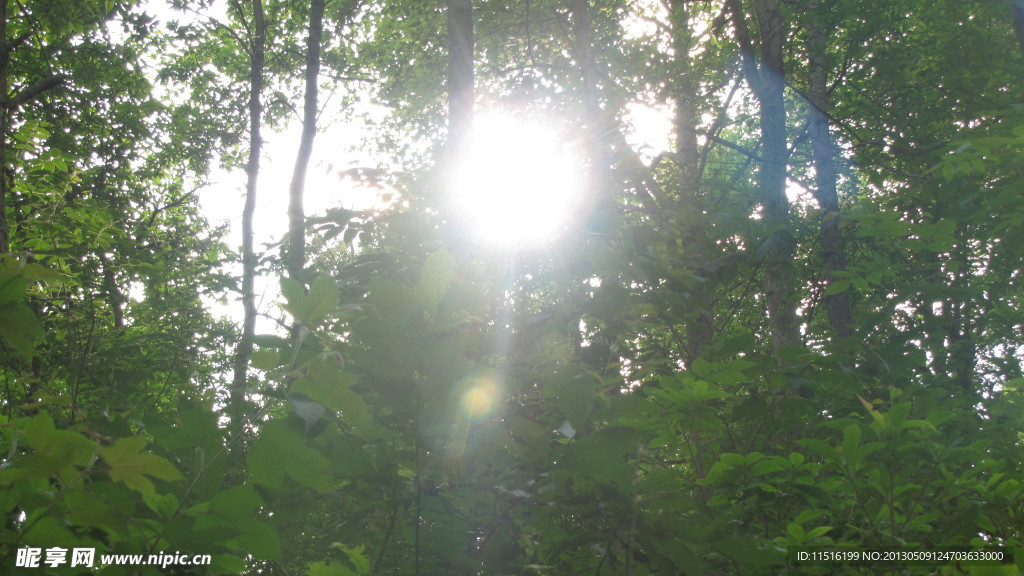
(799, 325)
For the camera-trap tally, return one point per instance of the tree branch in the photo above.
(33, 91)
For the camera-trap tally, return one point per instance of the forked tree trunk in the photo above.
(257, 47)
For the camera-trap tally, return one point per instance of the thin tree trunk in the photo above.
(5, 61)
(685, 93)
(461, 90)
(249, 260)
(295, 256)
(833, 257)
(114, 296)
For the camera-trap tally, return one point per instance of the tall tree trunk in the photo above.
(461, 92)
(257, 47)
(768, 87)
(823, 151)
(295, 247)
(5, 64)
(597, 183)
(699, 326)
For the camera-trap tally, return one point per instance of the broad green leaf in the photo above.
(330, 386)
(266, 464)
(261, 540)
(796, 531)
(104, 505)
(766, 466)
(308, 410)
(321, 301)
(19, 326)
(194, 427)
(265, 358)
(40, 432)
(435, 279)
(877, 416)
(280, 451)
(236, 504)
(820, 447)
(332, 569)
(575, 397)
(227, 564)
(604, 454)
(851, 440)
(357, 556)
(166, 505)
(818, 532)
(130, 465)
(295, 298)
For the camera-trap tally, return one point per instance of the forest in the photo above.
(648, 287)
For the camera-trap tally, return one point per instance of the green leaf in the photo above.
(295, 297)
(40, 432)
(878, 417)
(19, 326)
(796, 531)
(821, 447)
(130, 465)
(261, 540)
(851, 440)
(265, 358)
(766, 466)
(818, 532)
(308, 410)
(321, 301)
(266, 464)
(604, 454)
(280, 451)
(575, 396)
(357, 557)
(435, 280)
(330, 386)
(332, 569)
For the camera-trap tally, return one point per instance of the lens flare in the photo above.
(479, 400)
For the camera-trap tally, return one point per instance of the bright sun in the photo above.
(519, 182)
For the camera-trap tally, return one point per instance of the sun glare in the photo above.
(519, 182)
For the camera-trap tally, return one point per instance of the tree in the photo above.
(295, 256)
(257, 36)
(671, 388)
